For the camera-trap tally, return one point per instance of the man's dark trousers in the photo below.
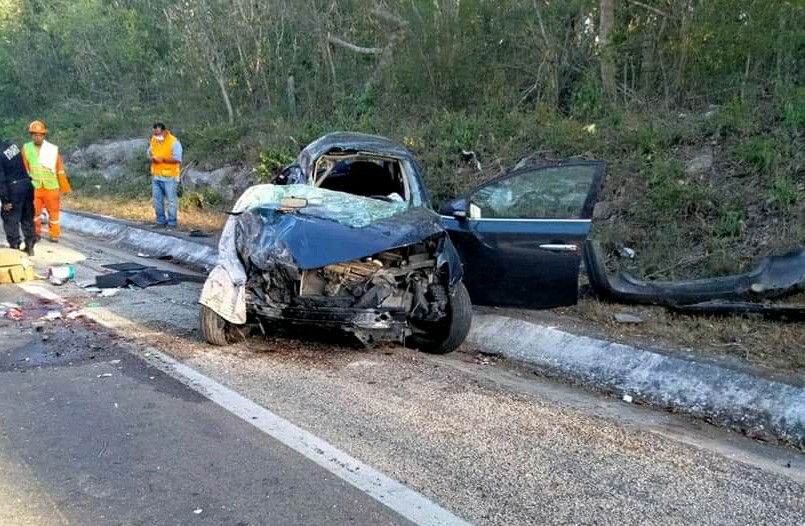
(21, 193)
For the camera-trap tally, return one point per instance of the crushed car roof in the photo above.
(351, 141)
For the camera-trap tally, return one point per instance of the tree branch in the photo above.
(357, 49)
(381, 13)
(650, 8)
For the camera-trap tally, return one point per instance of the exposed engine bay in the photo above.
(381, 293)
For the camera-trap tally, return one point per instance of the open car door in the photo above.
(520, 236)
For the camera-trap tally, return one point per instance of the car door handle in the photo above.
(559, 247)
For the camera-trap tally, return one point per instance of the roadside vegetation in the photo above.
(698, 107)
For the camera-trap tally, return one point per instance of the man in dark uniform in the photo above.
(17, 196)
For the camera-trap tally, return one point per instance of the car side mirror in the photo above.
(456, 208)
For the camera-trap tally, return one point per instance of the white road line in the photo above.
(412, 505)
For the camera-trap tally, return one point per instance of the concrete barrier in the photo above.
(724, 396)
(202, 255)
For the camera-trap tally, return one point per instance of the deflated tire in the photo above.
(214, 328)
(446, 336)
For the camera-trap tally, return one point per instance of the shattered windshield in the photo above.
(347, 209)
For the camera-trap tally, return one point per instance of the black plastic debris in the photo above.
(112, 281)
(775, 311)
(125, 267)
(129, 273)
(150, 277)
(747, 293)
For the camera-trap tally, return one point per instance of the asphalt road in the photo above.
(489, 441)
(91, 434)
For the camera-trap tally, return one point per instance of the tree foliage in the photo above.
(240, 62)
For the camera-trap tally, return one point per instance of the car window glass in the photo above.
(557, 192)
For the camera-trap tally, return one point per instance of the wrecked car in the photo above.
(346, 237)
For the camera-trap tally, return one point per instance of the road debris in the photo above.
(482, 359)
(627, 398)
(15, 267)
(625, 317)
(51, 315)
(748, 293)
(105, 375)
(130, 274)
(61, 274)
(164, 257)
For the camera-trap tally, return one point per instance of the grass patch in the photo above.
(758, 154)
(772, 347)
(785, 194)
(131, 200)
(142, 211)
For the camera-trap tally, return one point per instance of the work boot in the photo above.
(29, 247)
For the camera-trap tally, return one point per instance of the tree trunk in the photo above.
(291, 97)
(221, 80)
(608, 73)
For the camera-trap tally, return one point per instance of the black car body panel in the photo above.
(774, 277)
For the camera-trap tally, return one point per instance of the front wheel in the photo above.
(214, 329)
(446, 335)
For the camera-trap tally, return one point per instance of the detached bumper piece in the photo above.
(774, 277)
(368, 325)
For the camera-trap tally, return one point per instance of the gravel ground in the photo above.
(492, 443)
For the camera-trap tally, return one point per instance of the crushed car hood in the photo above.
(336, 227)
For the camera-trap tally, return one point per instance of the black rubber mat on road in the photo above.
(126, 267)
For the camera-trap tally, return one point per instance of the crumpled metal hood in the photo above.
(266, 236)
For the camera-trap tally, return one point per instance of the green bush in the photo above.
(271, 161)
(206, 198)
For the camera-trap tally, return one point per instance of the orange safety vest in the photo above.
(164, 149)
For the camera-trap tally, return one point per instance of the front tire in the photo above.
(214, 329)
(446, 336)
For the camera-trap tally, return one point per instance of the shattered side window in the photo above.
(348, 209)
(558, 192)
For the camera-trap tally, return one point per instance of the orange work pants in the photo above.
(50, 200)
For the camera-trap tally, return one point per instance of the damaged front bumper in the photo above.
(368, 325)
(774, 277)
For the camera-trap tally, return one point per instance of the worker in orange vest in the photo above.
(165, 154)
(44, 165)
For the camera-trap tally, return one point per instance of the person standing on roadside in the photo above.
(165, 154)
(44, 165)
(17, 196)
